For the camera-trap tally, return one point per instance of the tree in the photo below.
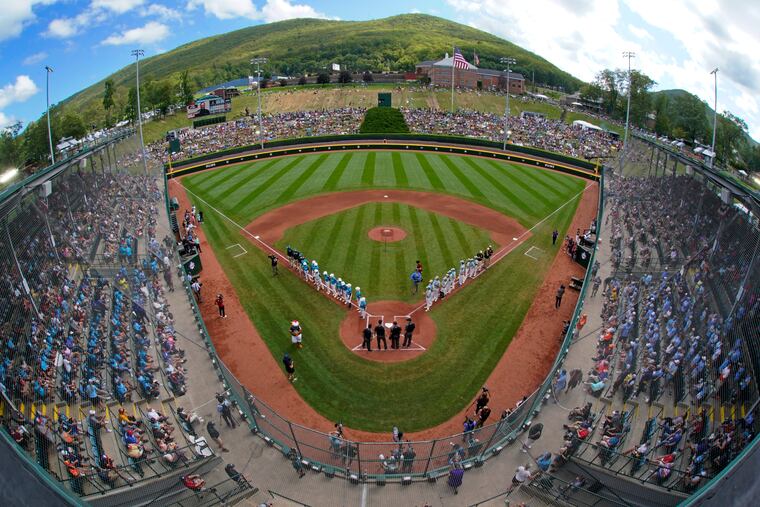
(72, 125)
(662, 119)
(35, 143)
(591, 91)
(130, 108)
(161, 95)
(184, 89)
(108, 99)
(367, 77)
(731, 136)
(607, 82)
(688, 115)
(344, 77)
(323, 78)
(302, 80)
(10, 146)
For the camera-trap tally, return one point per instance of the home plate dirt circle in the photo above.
(387, 234)
(424, 334)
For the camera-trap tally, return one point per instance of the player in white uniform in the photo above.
(462, 274)
(347, 294)
(363, 307)
(428, 296)
(296, 334)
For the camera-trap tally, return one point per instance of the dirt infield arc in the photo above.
(271, 226)
(520, 370)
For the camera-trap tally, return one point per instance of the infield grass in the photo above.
(474, 326)
(340, 244)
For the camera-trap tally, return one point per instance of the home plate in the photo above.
(515, 239)
(256, 237)
(386, 196)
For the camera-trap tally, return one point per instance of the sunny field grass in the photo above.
(382, 269)
(474, 326)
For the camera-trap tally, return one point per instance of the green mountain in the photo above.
(301, 46)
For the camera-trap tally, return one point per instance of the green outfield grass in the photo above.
(382, 269)
(474, 326)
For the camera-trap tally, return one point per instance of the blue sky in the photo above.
(677, 42)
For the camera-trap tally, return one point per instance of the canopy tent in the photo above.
(586, 125)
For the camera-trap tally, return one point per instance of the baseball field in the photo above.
(448, 207)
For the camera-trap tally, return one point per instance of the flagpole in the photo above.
(452, 80)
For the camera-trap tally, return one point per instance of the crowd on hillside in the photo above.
(85, 315)
(552, 135)
(534, 131)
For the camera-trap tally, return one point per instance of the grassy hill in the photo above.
(302, 46)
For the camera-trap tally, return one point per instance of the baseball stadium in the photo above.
(378, 302)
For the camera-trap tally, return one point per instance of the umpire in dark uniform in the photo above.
(367, 338)
(380, 334)
(408, 331)
(395, 335)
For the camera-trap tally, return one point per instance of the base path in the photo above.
(386, 234)
(424, 333)
(271, 226)
(520, 371)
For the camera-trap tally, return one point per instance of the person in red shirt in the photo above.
(220, 303)
(194, 482)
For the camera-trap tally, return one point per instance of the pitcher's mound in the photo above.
(422, 339)
(387, 234)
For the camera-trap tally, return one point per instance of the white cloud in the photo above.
(151, 33)
(117, 6)
(279, 10)
(640, 32)
(226, 10)
(161, 12)
(16, 92)
(273, 10)
(676, 42)
(35, 58)
(16, 15)
(62, 28)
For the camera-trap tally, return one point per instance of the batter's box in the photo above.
(534, 253)
(238, 246)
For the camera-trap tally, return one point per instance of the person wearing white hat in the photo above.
(358, 295)
(296, 334)
(347, 294)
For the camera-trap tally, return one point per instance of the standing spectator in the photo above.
(534, 433)
(273, 260)
(367, 338)
(482, 400)
(380, 335)
(560, 293)
(408, 331)
(560, 383)
(576, 376)
(455, 477)
(236, 476)
(225, 411)
(290, 367)
(214, 434)
(597, 283)
(295, 461)
(555, 235)
(408, 456)
(220, 303)
(544, 461)
(196, 286)
(418, 268)
(522, 474)
(483, 414)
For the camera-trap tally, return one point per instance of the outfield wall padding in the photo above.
(459, 140)
(220, 159)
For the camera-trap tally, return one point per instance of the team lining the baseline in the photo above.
(438, 288)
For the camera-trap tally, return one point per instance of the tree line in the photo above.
(673, 113)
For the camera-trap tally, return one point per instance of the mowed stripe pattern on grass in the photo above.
(364, 394)
(383, 269)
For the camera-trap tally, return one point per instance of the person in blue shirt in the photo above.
(416, 278)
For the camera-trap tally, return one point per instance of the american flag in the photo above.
(459, 61)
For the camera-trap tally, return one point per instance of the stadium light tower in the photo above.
(48, 71)
(629, 55)
(715, 115)
(257, 62)
(137, 53)
(507, 61)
